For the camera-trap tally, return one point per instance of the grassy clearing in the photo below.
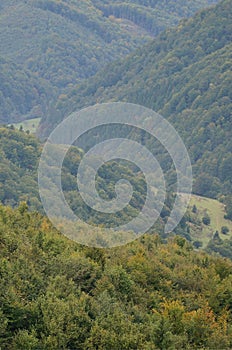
(29, 124)
(216, 212)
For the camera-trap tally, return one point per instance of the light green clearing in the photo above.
(29, 124)
(216, 211)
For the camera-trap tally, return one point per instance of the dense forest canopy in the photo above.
(162, 291)
(51, 45)
(56, 294)
(185, 75)
(19, 157)
(22, 93)
(186, 81)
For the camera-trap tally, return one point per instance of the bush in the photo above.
(206, 219)
(197, 244)
(194, 209)
(224, 230)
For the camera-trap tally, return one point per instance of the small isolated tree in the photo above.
(216, 236)
(206, 219)
(194, 209)
(224, 230)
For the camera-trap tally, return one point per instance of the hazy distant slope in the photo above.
(61, 41)
(185, 74)
(65, 41)
(152, 15)
(144, 73)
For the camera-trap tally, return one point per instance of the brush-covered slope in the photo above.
(185, 75)
(66, 41)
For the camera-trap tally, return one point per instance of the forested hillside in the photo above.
(163, 291)
(63, 42)
(22, 93)
(56, 294)
(185, 75)
(19, 154)
(19, 159)
(152, 15)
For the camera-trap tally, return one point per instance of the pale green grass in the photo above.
(29, 124)
(216, 211)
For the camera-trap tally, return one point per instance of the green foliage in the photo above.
(22, 93)
(19, 158)
(19, 154)
(213, 209)
(224, 230)
(29, 125)
(47, 46)
(56, 294)
(206, 219)
(228, 202)
(185, 75)
(194, 209)
(153, 16)
(222, 247)
(197, 244)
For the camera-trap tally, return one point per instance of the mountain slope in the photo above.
(19, 157)
(152, 15)
(66, 41)
(22, 93)
(185, 75)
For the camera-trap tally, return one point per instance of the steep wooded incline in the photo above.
(63, 42)
(185, 75)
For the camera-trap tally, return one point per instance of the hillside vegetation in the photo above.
(206, 217)
(22, 93)
(29, 125)
(56, 294)
(163, 291)
(19, 154)
(62, 42)
(154, 16)
(185, 75)
(215, 210)
(19, 157)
